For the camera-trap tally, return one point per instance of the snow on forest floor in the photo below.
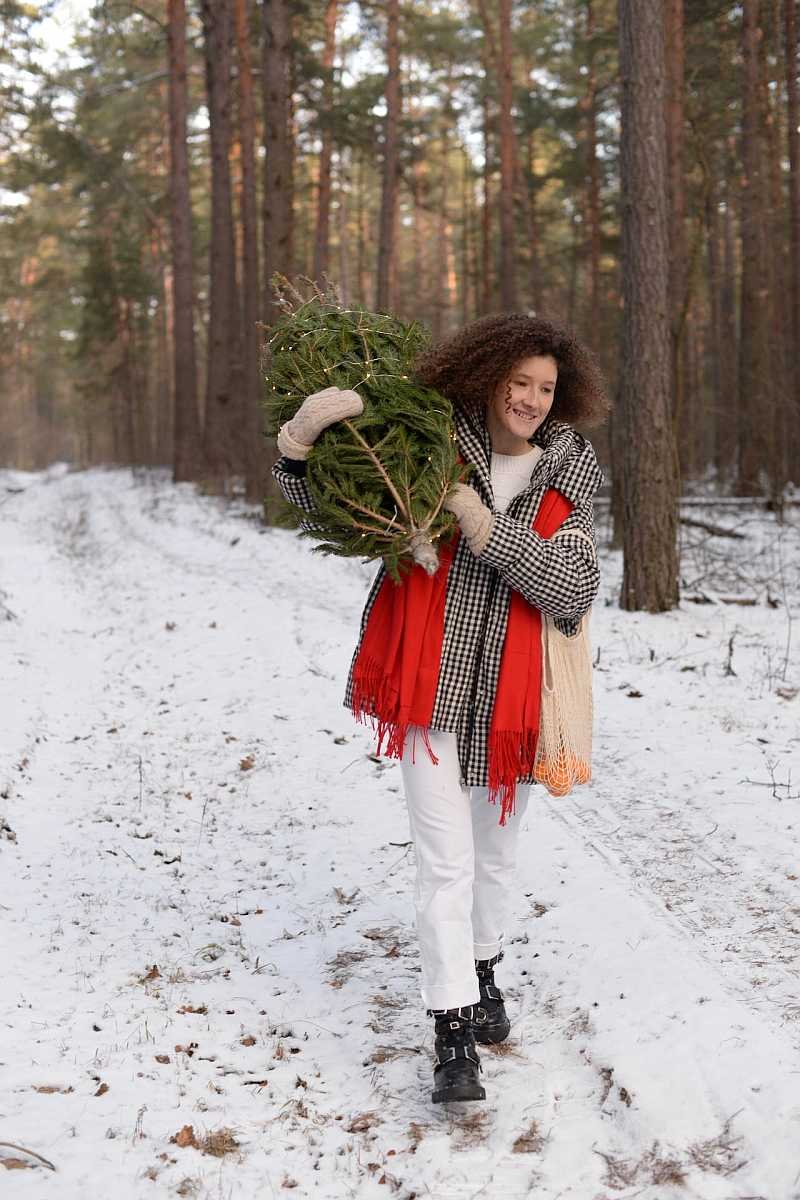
(211, 985)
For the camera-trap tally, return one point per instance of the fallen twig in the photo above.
(24, 1150)
(742, 601)
(717, 530)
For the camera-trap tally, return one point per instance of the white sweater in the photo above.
(511, 474)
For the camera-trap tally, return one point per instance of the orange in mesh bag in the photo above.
(564, 748)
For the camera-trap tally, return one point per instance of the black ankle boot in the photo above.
(457, 1067)
(490, 1023)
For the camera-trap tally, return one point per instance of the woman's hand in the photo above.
(316, 413)
(475, 519)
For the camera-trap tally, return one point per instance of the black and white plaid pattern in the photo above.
(560, 576)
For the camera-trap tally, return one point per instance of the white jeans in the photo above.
(465, 869)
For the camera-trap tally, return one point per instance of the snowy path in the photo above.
(206, 912)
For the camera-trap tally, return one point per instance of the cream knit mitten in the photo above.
(316, 413)
(475, 519)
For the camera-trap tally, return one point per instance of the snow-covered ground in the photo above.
(205, 882)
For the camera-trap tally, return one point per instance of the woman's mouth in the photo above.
(524, 416)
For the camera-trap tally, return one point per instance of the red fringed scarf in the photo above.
(396, 671)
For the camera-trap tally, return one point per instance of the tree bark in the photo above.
(729, 398)
(793, 138)
(591, 313)
(187, 444)
(778, 264)
(277, 197)
(253, 450)
(223, 384)
(508, 283)
(754, 363)
(650, 485)
(678, 273)
(390, 180)
(486, 213)
(362, 230)
(322, 238)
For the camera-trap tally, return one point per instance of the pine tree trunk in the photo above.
(715, 353)
(322, 239)
(187, 444)
(390, 177)
(650, 485)
(345, 240)
(534, 269)
(678, 275)
(277, 197)
(754, 363)
(362, 224)
(164, 406)
(779, 279)
(729, 397)
(223, 382)
(253, 451)
(793, 138)
(592, 311)
(466, 233)
(508, 283)
(486, 214)
(418, 234)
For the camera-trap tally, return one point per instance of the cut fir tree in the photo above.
(378, 480)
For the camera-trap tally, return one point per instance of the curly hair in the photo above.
(468, 366)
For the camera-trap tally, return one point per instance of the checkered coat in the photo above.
(559, 576)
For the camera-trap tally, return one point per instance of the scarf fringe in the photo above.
(511, 757)
(375, 703)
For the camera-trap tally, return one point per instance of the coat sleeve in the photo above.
(559, 575)
(290, 475)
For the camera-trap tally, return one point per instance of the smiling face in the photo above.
(521, 402)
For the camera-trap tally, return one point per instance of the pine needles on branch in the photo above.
(378, 480)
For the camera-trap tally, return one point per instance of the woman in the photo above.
(459, 656)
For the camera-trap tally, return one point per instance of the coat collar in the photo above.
(568, 462)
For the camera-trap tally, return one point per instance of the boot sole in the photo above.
(459, 1092)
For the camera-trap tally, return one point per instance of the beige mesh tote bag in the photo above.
(564, 748)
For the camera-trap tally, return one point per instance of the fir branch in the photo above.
(398, 499)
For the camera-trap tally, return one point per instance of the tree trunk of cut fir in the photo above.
(650, 486)
(678, 275)
(322, 237)
(508, 283)
(754, 364)
(592, 310)
(391, 164)
(223, 383)
(277, 197)
(790, 53)
(253, 450)
(187, 453)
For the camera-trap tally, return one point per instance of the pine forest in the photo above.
(629, 169)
